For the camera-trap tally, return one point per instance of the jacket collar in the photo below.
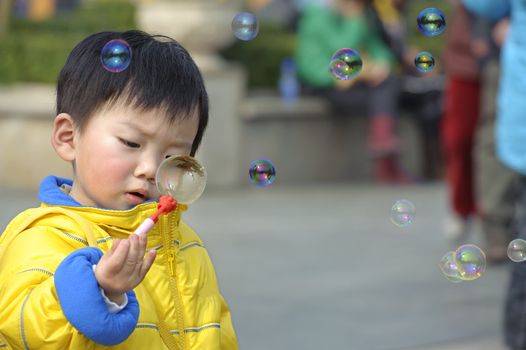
(54, 190)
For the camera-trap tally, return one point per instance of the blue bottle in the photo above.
(288, 84)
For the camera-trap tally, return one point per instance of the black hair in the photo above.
(161, 75)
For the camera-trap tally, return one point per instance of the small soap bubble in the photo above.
(424, 62)
(181, 177)
(262, 172)
(471, 261)
(340, 70)
(448, 266)
(245, 26)
(431, 21)
(517, 250)
(402, 212)
(345, 64)
(116, 55)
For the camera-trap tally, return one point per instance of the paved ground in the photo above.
(322, 267)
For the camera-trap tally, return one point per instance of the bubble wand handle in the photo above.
(166, 204)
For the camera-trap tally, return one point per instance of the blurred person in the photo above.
(462, 66)
(510, 133)
(327, 27)
(388, 19)
(420, 93)
(67, 5)
(74, 274)
(20, 8)
(41, 10)
(495, 184)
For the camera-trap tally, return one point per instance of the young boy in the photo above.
(72, 273)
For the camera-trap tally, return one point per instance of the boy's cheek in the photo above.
(106, 175)
(113, 165)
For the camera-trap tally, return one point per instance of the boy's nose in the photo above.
(146, 169)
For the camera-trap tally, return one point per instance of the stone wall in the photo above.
(26, 120)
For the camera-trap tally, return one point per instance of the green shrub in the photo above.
(36, 51)
(92, 17)
(8, 63)
(42, 56)
(262, 56)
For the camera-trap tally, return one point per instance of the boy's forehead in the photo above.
(137, 117)
(156, 122)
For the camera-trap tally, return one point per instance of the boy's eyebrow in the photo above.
(144, 133)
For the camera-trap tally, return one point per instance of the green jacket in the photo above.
(322, 31)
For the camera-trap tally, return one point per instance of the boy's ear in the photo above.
(63, 137)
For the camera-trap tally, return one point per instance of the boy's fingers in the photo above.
(147, 263)
(120, 255)
(142, 245)
(114, 245)
(133, 257)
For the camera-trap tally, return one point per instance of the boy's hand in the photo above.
(124, 266)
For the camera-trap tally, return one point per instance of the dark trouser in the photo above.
(496, 185)
(515, 309)
(371, 100)
(423, 101)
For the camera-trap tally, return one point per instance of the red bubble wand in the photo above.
(178, 165)
(166, 204)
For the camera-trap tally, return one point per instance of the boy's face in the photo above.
(119, 151)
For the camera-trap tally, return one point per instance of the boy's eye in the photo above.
(130, 144)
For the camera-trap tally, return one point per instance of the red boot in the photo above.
(382, 139)
(388, 170)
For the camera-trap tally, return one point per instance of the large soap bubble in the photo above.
(181, 177)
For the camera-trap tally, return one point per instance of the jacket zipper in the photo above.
(168, 232)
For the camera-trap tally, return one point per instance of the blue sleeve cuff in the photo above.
(81, 301)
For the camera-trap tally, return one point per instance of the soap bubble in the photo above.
(402, 212)
(116, 55)
(340, 70)
(517, 250)
(424, 62)
(449, 267)
(345, 64)
(181, 177)
(245, 26)
(431, 21)
(262, 172)
(471, 261)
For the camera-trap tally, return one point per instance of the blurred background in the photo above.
(312, 261)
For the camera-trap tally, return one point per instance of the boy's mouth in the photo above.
(137, 194)
(136, 197)
(140, 192)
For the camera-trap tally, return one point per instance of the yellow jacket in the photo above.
(179, 300)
